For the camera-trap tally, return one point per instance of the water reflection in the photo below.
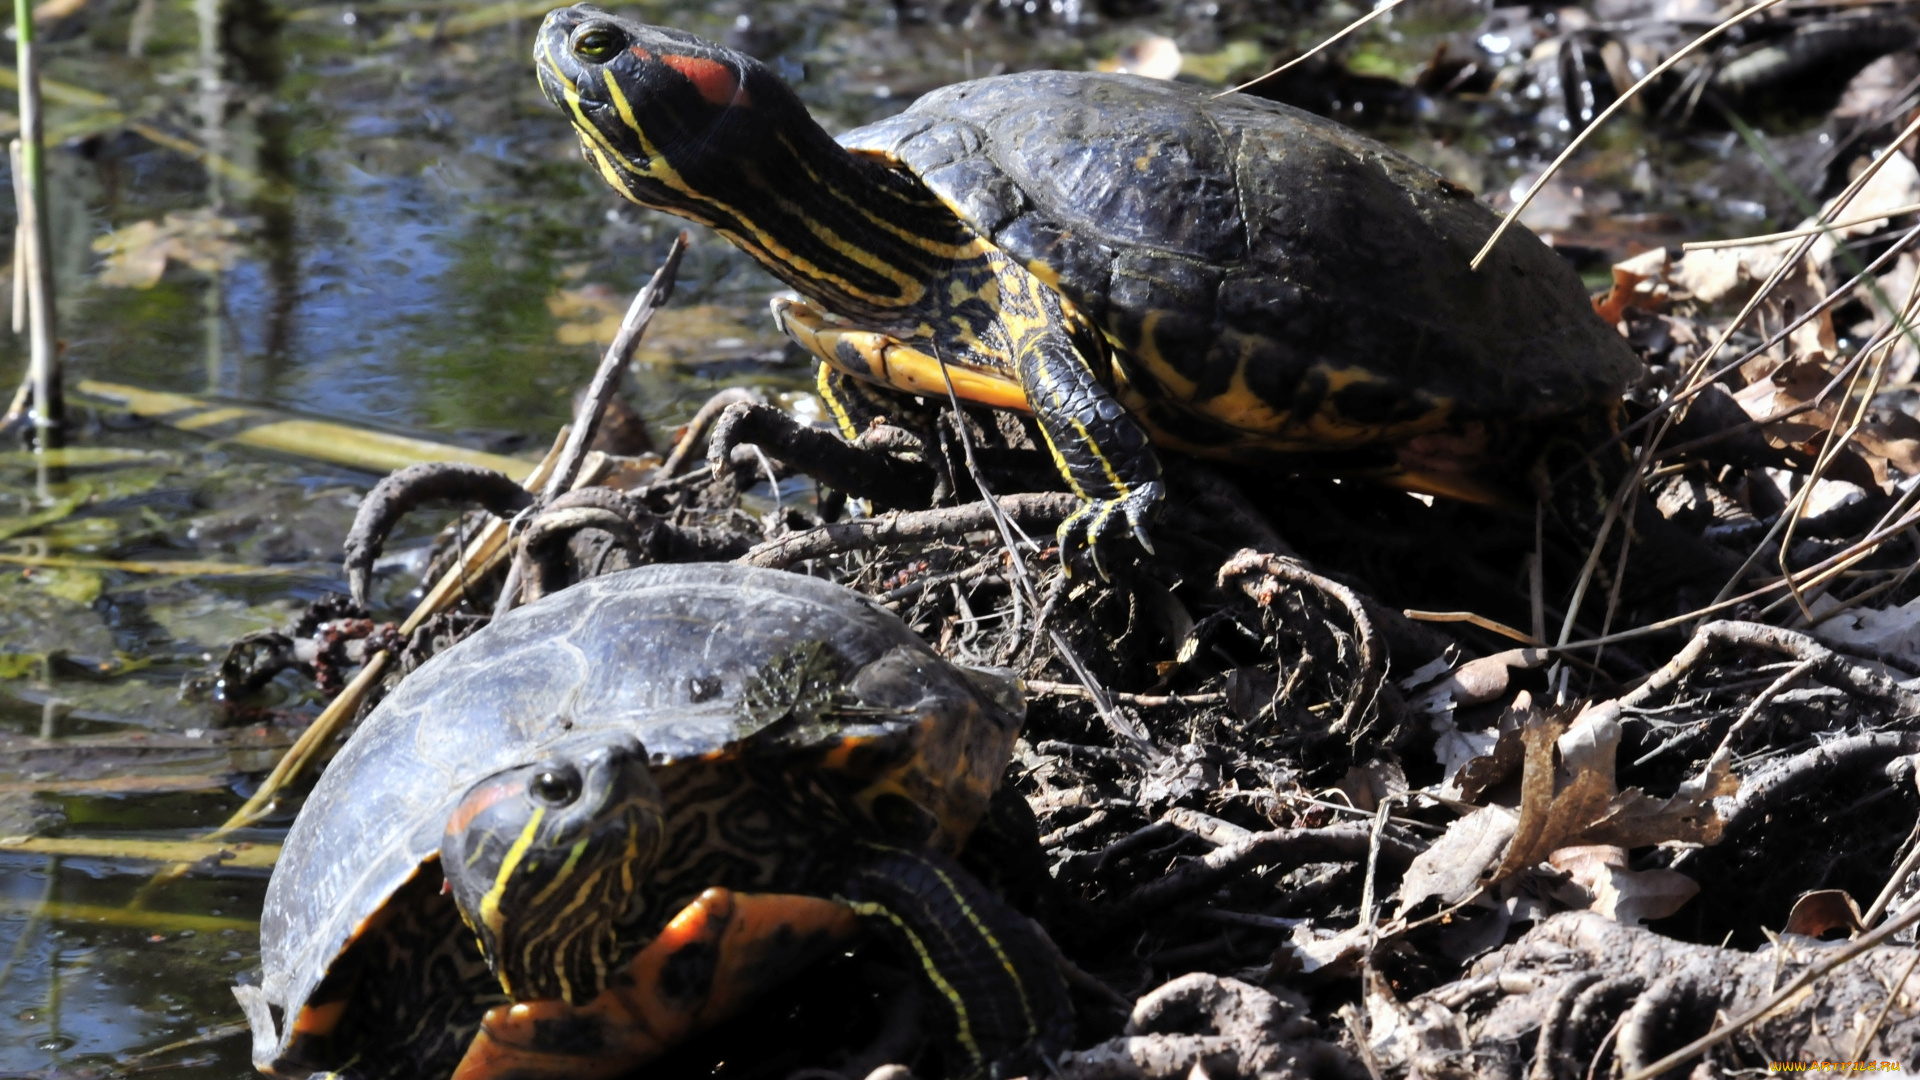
(365, 212)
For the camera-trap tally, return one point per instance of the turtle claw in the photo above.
(1101, 524)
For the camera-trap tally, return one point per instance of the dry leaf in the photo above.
(1712, 274)
(1366, 785)
(1896, 184)
(1428, 671)
(1472, 761)
(1823, 912)
(1639, 282)
(1456, 865)
(137, 255)
(1796, 294)
(1311, 950)
(591, 314)
(1456, 749)
(1803, 436)
(51, 11)
(1576, 803)
(1894, 631)
(1499, 763)
(1876, 85)
(1607, 885)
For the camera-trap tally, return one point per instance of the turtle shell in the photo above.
(1256, 261)
(699, 661)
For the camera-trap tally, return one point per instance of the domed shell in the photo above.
(675, 654)
(1214, 236)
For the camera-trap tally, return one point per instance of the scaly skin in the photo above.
(903, 293)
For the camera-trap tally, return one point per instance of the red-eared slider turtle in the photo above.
(649, 797)
(1128, 259)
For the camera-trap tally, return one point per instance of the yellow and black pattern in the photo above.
(543, 858)
(1274, 288)
(762, 827)
(999, 993)
(590, 778)
(908, 295)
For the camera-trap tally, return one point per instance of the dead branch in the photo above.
(1036, 511)
(1761, 793)
(1151, 701)
(1260, 575)
(1275, 848)
(1867, 678)
(400, 493)
(696, 430)
(886, 480)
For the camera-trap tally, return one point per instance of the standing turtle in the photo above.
(1130, 260)
(648, 798)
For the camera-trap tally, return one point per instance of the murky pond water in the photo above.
(367, 213)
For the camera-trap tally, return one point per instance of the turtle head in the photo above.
(543, 860)
(660, 113)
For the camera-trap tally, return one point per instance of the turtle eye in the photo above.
(555, 785)
(596, 43)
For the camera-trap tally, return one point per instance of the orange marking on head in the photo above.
(715, 81)
(640, 52)
(476, 802)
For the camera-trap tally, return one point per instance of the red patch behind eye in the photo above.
(641, 53)
(478, 800)
(714, 80)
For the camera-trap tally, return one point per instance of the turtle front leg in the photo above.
(877, 357)
(721, 951)
(1096, 445)
(989, 970)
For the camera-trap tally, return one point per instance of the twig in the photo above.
(480, 556)
(1277, 848)
(1753, 1015)
(30, 189)
(1892, 888)
(696, 429)
(1148, 701)
(1273, 570)
(1697, 384)
(1368, 918)
(1761, 701)
(1795, 234)
(1472, 619)
(1116, 722)
(400, 492)
(1841, 670)
(1761, 792)
(606, 380)
(1038, 510)
(1865, 1040)
(1606, 114)
(1317, 49)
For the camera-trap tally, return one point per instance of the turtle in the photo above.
(610, 818)
(1137, 263)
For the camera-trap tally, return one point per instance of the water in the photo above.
(393, 230)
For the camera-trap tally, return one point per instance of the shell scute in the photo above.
(702, 663)
(1238, 238)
